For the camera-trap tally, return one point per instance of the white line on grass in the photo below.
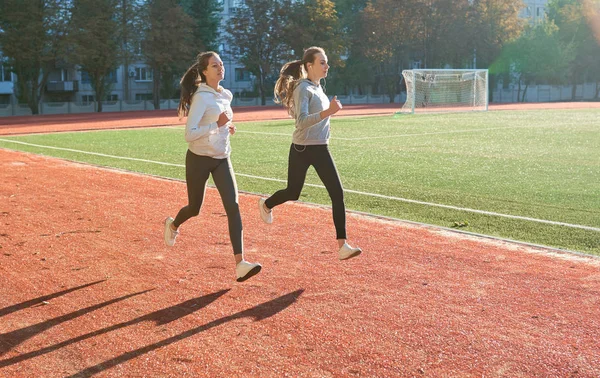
(432, 133)
(91, 153)
(395, 135)
(483, 212)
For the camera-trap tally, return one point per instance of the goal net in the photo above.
(445, 90)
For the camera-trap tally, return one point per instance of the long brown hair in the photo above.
(289, 75)
(190, 81)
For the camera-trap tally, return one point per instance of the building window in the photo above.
(5, 73)
(87, 99)
(143, 74)
(540, 11)
(143, 96)
(85, 78)
(242, 74)
(112, 97)
(112, 77)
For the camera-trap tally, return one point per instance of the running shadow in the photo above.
(40, 300)
(11, 339)
(260, 312)
(159, 317)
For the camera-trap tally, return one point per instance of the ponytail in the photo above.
(188, 84)
(289, 75)
(190, 81)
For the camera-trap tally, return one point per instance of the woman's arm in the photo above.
(302, 98)
(194, 131)
(305, 120)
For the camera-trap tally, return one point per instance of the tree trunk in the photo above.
(32, 100)
(524, 93)
(124, 19)
(99, 90)
(491, 85)
(597, 90)
(261, 88)
(156, 89)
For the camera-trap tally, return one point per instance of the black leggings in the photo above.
(197, 170)
(300, 159)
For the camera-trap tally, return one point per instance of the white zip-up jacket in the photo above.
(203, 135)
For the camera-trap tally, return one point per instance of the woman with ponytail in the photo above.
(207, 106)
(299, 90)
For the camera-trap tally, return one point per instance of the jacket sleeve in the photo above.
(193, 130)
(302, 97)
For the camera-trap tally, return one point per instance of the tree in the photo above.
(129, 36)
(206, 15)
(255, 36)
(94, 37)
(31, 36)
(575, 20)
(313, 23)
(168, 44)
(536, 56)
(492, 24)
(440, 33)
(388, 29)
(356, 72)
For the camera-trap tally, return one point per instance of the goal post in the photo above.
(439, 90)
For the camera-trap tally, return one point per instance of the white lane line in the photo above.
(400, 199)
(396, 135)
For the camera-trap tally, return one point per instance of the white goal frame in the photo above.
(445, 90)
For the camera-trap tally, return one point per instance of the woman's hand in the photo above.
(224, 118)
(232, 129)
(334, 106)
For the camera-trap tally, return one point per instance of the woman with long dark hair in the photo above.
(207, 106)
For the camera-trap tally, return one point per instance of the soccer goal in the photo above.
(429, 90)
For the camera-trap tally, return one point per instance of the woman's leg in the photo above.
(197, 170)
(224, 178)
(297, 168)
(323, 162)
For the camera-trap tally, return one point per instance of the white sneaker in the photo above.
(347, 252)
(170, 235)
(267, 216)
(245, 270)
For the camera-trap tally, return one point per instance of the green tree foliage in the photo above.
(355, 73)
(388, 33)
(93, 33)
(440, 28)
(431, 32)
(255, 36)
(537, 56)
(206, 15)
(577, 23)
(314, 23)
(168, 44)
(129, 36)
(492, 24)
(31, 39)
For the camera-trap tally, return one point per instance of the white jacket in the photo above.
(203, 135)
